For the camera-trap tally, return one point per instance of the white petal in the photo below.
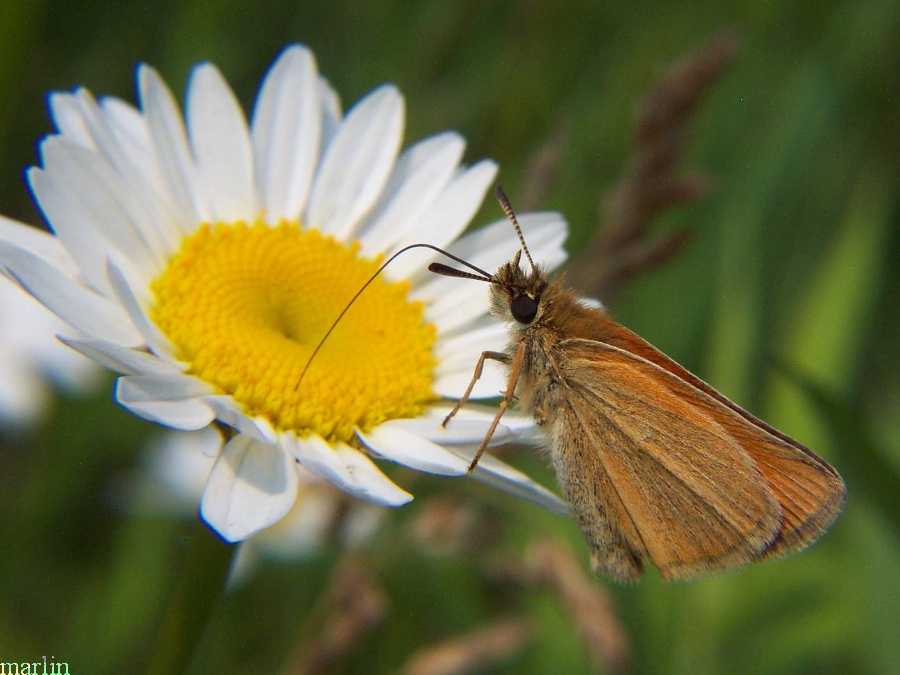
(459, 202)
(502, 476)
(67, 115)
(98, 201)
(373, 486)
(521, 425)
(252, 486)
(229, 412)
(86, 311)
(102, 142)
(173, 401)
(421, 173)
(471, 305)
(413, 451)
(491, 384)
(286, 133)
(126, 290)
(357, 163)
(348, 470)
(518, 423)
(448, 215)
(461, 430)
(40, 243)
(126, 123)
(73, 226)
(319, 458)
(461, 352)
(221, 144)
(130, 160)
(170, 145)
(144, 173)
(332, 113)
(120, 359)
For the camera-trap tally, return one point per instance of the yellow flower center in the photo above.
(246, 305)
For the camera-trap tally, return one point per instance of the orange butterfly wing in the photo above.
(680, 474)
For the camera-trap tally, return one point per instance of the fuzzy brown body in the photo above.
(655, 463)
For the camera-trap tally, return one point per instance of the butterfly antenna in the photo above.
(507, 209)
(484, 276)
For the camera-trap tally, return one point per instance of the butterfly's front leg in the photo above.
(503, 357)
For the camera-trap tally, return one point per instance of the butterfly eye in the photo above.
(523, 308)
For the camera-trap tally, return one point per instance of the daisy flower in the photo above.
(204, 258)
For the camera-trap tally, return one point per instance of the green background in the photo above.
(785, 299)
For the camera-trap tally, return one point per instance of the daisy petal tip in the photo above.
(170, 400)
(296, 52)
(150, 82)
(370, 483)
(387, 91)
(210, 516)
(388, 502)
(500, 475)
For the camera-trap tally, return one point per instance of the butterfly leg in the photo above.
(508, 396)
(503, 357)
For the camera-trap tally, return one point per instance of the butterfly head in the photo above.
(516, 294)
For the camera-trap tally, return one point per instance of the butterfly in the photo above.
(656, 464)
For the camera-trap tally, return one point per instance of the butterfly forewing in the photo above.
(664, 461)
(811, 493)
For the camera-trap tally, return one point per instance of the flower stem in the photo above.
(201, 570)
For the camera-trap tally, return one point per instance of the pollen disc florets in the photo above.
(246, 305)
